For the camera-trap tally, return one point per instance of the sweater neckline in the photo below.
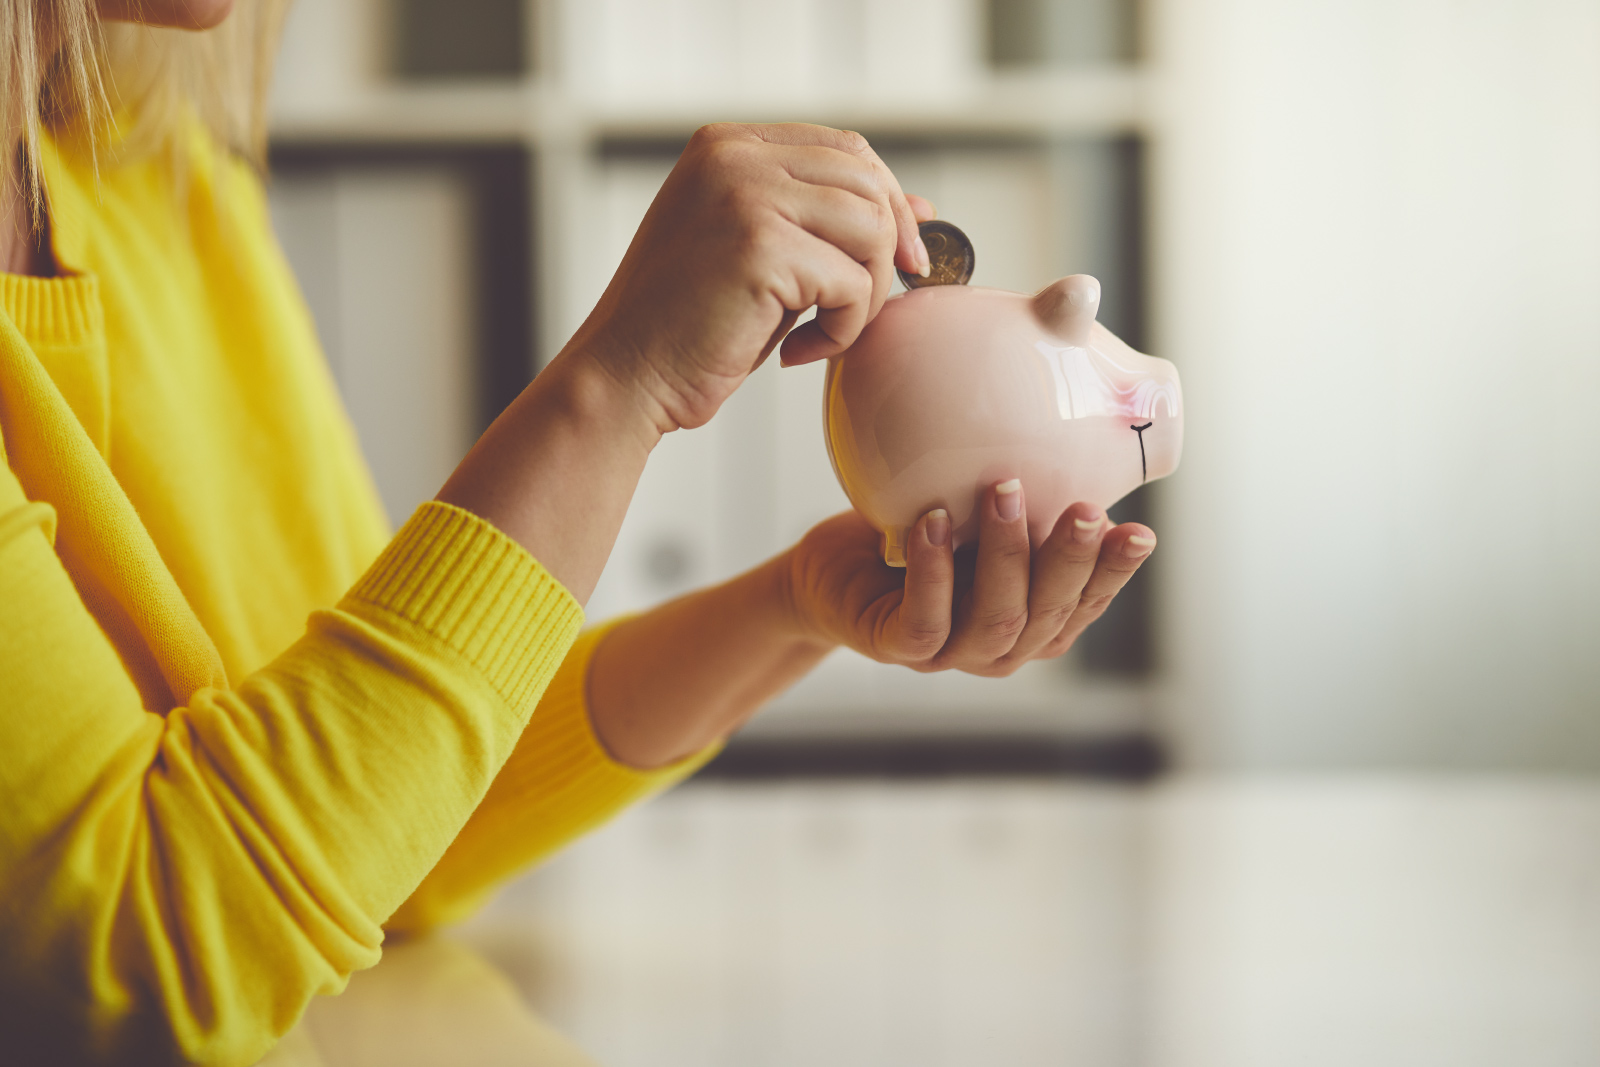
(64, 309)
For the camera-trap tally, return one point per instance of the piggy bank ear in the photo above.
(1066, 308)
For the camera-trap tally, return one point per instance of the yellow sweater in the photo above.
(239, 726)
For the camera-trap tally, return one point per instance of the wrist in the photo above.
(666, 683)
(629, 372)
(555, 472)
(794, 619)
(596, 383)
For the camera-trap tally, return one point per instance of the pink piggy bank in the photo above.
(952, 389)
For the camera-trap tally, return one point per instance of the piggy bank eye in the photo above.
(1144, 466)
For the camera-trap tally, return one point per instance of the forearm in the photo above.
(191, 878)
(668, 683)
(556, 470)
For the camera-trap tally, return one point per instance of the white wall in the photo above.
(1377, 245)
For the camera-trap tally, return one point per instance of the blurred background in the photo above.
(1321, 789)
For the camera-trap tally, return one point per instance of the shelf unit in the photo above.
(594, 155)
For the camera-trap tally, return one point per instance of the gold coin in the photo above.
(950, 256)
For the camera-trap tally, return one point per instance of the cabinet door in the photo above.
(385, 261)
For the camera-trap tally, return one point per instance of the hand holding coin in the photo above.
(754, 225)
(950, 256)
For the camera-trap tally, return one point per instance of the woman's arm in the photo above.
(179, 882)
(556, 471)
(753, 225)
(670, 682)
(636, 707)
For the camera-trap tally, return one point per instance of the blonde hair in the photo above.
(64, 70)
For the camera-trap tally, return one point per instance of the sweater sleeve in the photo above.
(558, 784)
(178, 886)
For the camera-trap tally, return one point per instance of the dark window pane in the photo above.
(1120, 643)
(500, 180)
(459, 39)
(1062, 32)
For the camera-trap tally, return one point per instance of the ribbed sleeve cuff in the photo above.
(460, 579)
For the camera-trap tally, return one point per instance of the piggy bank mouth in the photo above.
(1144, 463)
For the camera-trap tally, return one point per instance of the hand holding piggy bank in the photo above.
(952, 389)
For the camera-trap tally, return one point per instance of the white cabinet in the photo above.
(384, 261)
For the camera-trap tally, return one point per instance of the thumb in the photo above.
(807, 344)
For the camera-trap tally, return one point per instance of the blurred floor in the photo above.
(1402, 921)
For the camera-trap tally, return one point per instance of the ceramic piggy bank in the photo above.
(954, 388)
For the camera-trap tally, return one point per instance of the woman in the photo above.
(243, 730)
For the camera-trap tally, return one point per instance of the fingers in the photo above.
(860, 227)
(995, 612)
(910, 254)
(815, 165)
(1026, 605)
(1062, 567)
(751, 222)
(1123, 550)
(922, 209)
(841, 288)
(785, 324)
(1011, 608)
(841, 193)
(918, 630)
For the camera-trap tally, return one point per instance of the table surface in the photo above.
(1336, 919)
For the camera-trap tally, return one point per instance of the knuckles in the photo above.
(883, 220)
(1058, 647)
(736, 176)
(1072, 552)
(726, 165)
(921, 646)
(1002, 667)
(1091, 608)
(1054, 618)
(853, 142)
(715, 132)
(720, 159)
(1002, 625)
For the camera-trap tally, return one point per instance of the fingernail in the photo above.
(1138, 546)
(937, 527)
(1086, 530)
(1008, 499)
(924, 264)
